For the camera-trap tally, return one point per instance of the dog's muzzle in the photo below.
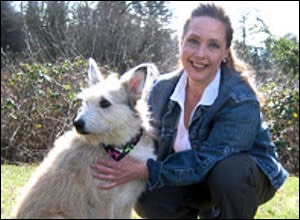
(79, 125)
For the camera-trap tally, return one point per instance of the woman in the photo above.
(215, 157)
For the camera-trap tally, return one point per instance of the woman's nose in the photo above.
(200, 51)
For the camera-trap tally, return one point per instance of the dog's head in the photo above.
(108, 104)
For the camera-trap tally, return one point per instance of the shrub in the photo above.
(37, 105)
(282, 114)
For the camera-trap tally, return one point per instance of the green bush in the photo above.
(281, 111)
(37, 105)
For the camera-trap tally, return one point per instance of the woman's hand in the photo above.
(114, 173)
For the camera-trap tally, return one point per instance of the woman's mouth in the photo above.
(198, 66)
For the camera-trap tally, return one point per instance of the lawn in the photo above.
(285, 204)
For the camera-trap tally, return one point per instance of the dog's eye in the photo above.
(104, 103)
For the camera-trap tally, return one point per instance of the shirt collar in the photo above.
(179, 93)
(211, 92)
(209, 95)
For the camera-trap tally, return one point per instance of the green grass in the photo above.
(12, 179)
(285, 204)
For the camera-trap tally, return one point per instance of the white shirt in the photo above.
(210, 94)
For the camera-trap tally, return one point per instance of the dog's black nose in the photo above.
(79, 125)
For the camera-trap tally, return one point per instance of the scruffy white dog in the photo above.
(111, 123)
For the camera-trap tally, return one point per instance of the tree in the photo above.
(118, 34)
(250, 46)
(285, 54)
(12, 36)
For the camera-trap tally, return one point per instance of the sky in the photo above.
(281, 17)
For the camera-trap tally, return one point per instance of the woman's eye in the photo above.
(193, 42)
(104, 103)
(214, 46)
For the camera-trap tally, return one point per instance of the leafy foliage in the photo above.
(285, 53)
(37, 104)
(275, 62)
(282, 114)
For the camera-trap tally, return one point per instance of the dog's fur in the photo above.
(63, 186)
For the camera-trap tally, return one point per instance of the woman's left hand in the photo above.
(114, 173)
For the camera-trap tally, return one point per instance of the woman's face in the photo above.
(203, 48)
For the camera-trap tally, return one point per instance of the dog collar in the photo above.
(116, 154)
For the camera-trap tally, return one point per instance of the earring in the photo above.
(224, 60)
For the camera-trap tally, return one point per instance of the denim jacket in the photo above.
(232, 124)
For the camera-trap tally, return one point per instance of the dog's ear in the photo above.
(140, 78)
(152, 74)
(135, 79)
(94, 74)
